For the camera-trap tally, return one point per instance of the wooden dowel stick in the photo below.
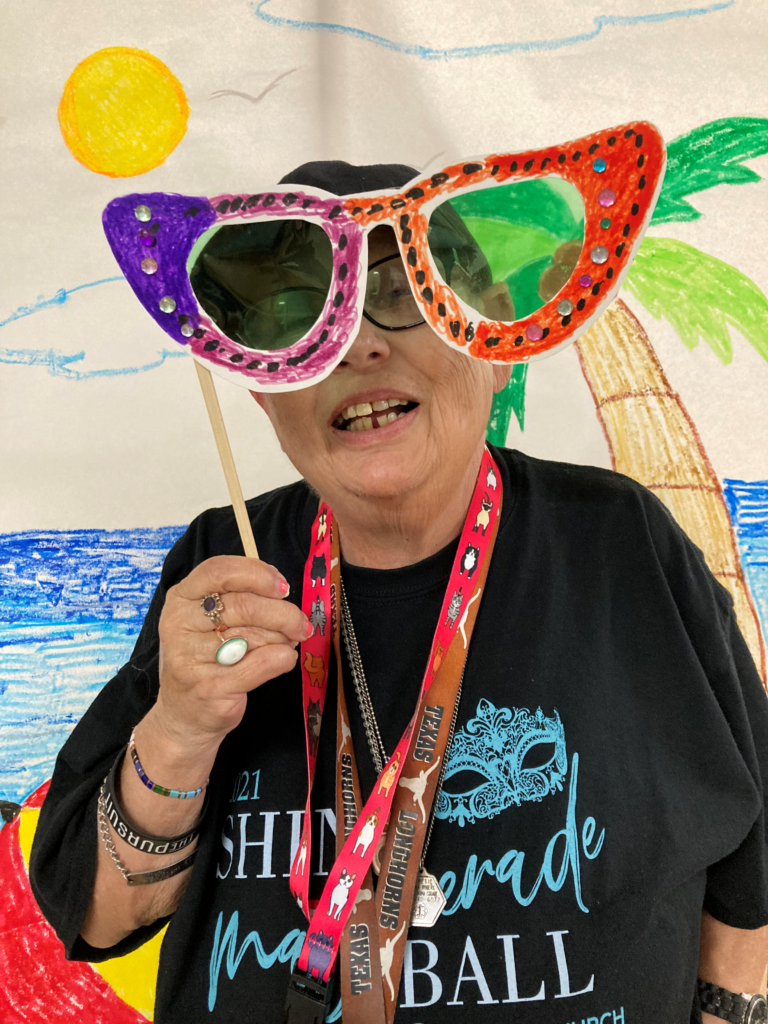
(227, 462)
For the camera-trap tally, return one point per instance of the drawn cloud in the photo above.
(480, 29)
(95, 329)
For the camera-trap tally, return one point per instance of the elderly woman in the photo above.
(581, 807)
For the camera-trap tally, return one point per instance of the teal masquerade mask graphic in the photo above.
(512, 751)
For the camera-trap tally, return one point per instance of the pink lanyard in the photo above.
(320, 603)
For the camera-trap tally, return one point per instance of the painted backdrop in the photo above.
(106, 450)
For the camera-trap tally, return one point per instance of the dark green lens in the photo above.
(263, 284)
(506, 250)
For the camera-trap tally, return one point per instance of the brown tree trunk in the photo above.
(653, 439)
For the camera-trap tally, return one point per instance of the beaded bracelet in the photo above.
(126, 830)
(155, 787)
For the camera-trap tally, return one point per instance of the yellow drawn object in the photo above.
(653, 439)
(122, 112)
(132, 977)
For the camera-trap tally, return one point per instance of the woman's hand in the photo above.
(201, 701)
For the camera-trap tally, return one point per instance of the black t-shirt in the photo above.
(607, 779)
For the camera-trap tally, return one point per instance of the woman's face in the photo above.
(440, 397)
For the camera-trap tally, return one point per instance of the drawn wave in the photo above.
(594, 23)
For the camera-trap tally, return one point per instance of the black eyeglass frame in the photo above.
(367, 315)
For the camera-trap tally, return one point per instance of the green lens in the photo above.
(263, 284)
(506, 250)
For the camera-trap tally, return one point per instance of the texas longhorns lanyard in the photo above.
(372, 946)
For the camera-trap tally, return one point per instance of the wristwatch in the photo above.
(738, 1009)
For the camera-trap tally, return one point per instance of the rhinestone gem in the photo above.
(585, 280)
(142, 213)
(167, 304)
(187, 330)
(533, 332)
(599, 254)
(607, 197)
(605, 222)
(565, 307)
(149, 266)
(599, 165)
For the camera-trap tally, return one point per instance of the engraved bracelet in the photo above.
(137, 877)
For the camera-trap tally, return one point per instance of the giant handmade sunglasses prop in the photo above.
(508, 258)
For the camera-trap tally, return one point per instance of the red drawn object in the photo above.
(618, 172)
(39, 986)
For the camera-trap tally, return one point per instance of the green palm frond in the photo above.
(699, 295)
(712, 154)
(510, 399)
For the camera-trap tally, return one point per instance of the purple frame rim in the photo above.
(309, 359)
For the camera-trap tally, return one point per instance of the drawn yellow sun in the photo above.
(122, 112)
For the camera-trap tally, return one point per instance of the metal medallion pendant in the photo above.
(429, 901)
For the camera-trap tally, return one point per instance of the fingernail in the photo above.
(283, 586)
(309, 629)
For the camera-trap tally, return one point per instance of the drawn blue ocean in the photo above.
(72, 604)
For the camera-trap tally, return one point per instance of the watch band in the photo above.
(730, 1006)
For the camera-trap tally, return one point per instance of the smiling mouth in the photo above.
(373, 415)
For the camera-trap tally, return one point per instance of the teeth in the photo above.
(359, 417)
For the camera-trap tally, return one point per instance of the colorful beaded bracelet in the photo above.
(176, 794)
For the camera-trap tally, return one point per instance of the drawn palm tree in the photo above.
(650, 435)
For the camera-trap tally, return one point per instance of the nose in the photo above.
(368, 352)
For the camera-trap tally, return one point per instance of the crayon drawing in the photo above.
(122, 112)
(90, 384)
(552, 30)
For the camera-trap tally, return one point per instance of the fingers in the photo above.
(225, 573)
(202, 647)
(257, 667)
(260, 664)
(242, 610)
(251, 592)
(255, 635)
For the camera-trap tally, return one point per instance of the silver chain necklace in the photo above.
(375, 741)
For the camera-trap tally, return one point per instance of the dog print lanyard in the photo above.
(372, 946)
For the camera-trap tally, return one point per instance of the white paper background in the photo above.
(135, 449)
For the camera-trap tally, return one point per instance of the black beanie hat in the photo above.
(343, 179)
(449, 239)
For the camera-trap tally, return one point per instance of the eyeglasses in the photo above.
(507, 258)
(388, 295)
